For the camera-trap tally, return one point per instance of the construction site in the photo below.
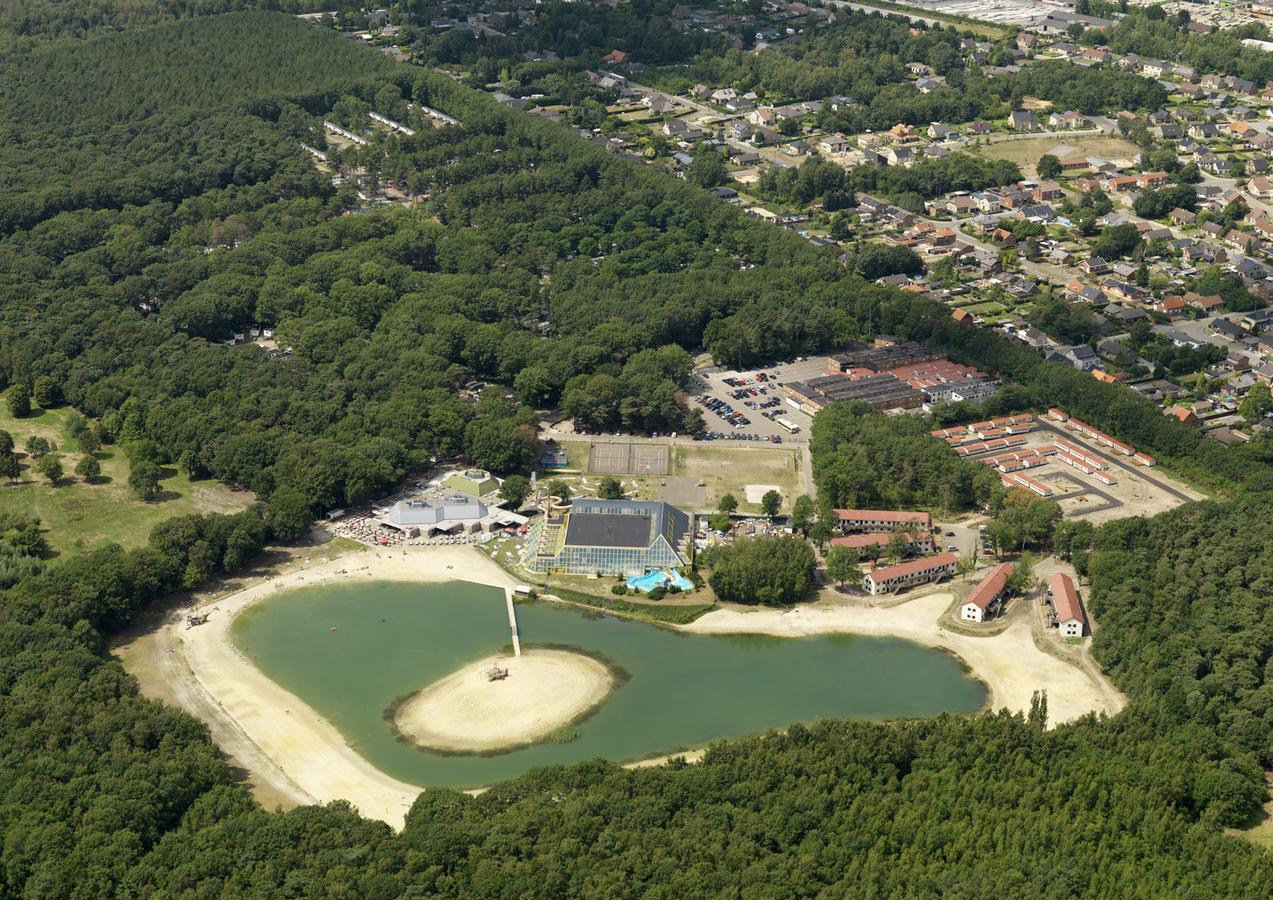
(1090, 474)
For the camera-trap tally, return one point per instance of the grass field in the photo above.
(78, 516)
(721, 470)
(728, 470)
(1026, 153)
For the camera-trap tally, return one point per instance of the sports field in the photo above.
(691, 476)
(78, 516)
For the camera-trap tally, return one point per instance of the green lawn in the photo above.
(78, 516)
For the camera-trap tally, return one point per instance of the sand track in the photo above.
(465, 712)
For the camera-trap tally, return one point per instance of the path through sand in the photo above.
(467, 712)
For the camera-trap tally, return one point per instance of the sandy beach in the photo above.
(466, 712)
(1008, 663)
(295, 756)
(318, 763)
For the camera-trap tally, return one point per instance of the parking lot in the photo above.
(747, 405)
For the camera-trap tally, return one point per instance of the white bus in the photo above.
(791, 427)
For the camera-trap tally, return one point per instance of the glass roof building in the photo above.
(608, 537)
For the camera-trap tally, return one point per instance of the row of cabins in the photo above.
(1017, 479)
(1099, 436)
(391, 124)
(345, 133)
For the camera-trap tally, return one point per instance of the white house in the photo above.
(1067, 612)
(986, 599)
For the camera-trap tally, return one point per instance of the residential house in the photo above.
(1182, 216)
(1047, 190)
(901, 133)
(1094, 265)
(1124, 315)
(1023, 120)
(1242, 130)
(1170, 131)
(1182, 414)
(834, 144)
(1171, 305)
(1081, 357)
(1260, 186)
(899, 156)
(1067, 119)
(1208, 303)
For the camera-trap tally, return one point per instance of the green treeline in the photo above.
(534, 252)
(862, 459)
(1184, 601)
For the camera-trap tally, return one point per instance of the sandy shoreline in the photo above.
(303, 758)
(465, 712)
(310, 750)
(1008, 663)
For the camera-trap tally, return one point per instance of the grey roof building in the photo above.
(449, 516)
(608, 537)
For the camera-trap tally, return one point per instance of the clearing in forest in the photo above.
(78, 516)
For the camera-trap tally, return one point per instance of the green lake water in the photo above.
(393, 638)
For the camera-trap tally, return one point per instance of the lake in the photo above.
(350, 651)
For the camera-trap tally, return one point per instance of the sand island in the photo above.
(495, 705)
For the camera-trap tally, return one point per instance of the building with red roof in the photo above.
(930, 569)
(918, 542)
(1067, 612)
(852, 520)
(986, 598)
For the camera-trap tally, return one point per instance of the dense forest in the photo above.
(530, 252)
(862, 459)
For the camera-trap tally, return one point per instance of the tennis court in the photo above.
(625, 458)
